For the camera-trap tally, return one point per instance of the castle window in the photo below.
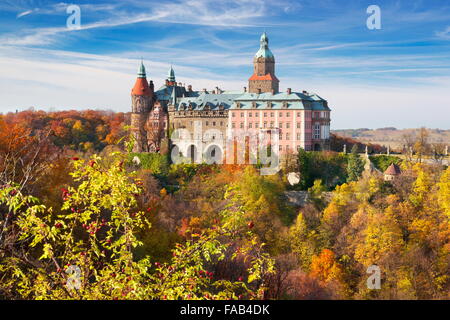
(281, 147)
(265, 124)
(287, 147)
(298, 125)
(232, 114)
(299, 114)
(256, 114)
(256, 125)
(281, 136)
(207, 123)
(280, 124)
(214, 123)
(242, 125)
(298, 136)
(271, 124)
(265, 114)
(288, 125)
(271, 114)
(281, 114)
(287, 114)
(250, 114)
(242, 114)
(233, 125)
(287, 136)
(250, 125)
(316, 131)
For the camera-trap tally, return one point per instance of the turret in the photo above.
(142, 103)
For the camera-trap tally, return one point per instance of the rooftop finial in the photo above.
(141, 72)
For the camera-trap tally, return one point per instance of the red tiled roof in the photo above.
(393, 170)
(141, 87)
(265, 77)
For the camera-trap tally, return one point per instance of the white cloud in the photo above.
(65, 80)
(25, 13)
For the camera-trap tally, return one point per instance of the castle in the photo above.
(298, 119)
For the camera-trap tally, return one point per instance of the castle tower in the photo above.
(142, 103)
(263, 78)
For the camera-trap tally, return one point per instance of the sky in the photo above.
(398, 75)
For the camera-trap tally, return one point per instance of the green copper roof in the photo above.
(264, 51)
(171, 75)
(141, 72)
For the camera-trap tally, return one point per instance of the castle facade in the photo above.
(207, 121)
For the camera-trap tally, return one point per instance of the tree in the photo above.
(421, 145)
(85, 250)
(355, 165)
(304, 168)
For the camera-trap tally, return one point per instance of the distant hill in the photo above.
(390, 136)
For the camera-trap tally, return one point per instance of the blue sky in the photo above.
(396, 76)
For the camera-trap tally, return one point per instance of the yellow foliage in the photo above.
(444, 192)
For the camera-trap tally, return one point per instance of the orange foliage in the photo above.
(325, 267)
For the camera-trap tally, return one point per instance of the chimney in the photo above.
(179, 84)
(190, 88)
(305, 92)
(218, 90)
(259, 90)
(214, 92)
(289, 91)
(245, 89)
(204, 89)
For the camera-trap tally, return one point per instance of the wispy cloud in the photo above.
(25, 13)
(445, 34)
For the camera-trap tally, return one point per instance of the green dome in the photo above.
(264, 51)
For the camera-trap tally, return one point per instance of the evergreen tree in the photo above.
(304, 168)
(355, 165)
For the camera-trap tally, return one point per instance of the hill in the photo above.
(395, 138)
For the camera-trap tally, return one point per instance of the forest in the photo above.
(79, 219)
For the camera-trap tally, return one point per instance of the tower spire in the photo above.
(141, 72)
(171, 74)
